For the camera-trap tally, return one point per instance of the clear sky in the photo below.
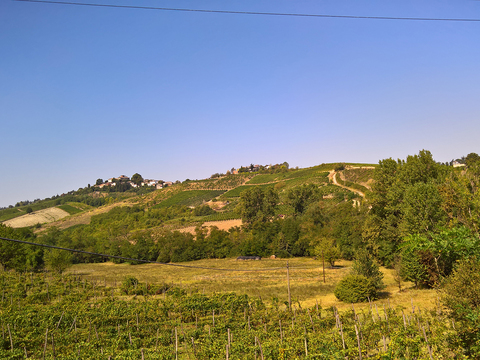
(89, 92)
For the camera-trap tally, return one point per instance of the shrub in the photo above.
(355, 288)
(412, 268)
(203, 210)
(340, 167)
(461, 295)
(366, 265)
(129, 285)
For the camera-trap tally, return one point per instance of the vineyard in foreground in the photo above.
(45, 316)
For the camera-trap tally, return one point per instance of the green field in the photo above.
(70, 209)
(238, 190)
(7, 214)
(292, 174)
(190, 198)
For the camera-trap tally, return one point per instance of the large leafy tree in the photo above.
(17, 256)
(301, 196)
(257, 204)
(461, 199)
(137, 179)
(439, 253)
(422, 209)
(472, 159)
(405, 199)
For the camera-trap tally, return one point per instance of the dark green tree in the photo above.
(393, 200)
(439, 253)
(422, 209)
(57, 260)
(99, 182)
(257, 204)
(461, 295)
(472, 160)
(411, 268)
(301, 196)
(14, 255)
(137, 179)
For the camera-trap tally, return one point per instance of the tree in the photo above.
(301, 196)
(410, 268)
(57, 260)
(394, 200)
(257, 204)
(14, 255)
(422, 209)
(439, 253)
(461, 198)
(472, 160)
(203, 210)
(99, 182)
(29, 210)
(137, 179)
(327, 250)
(461, 295)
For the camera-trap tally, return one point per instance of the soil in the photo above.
(221, 225)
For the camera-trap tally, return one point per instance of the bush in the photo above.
(366, 265)
(340, 167)
(129, 285)
(203, 210)
(355, 288)
(413, 269)
(461, 295)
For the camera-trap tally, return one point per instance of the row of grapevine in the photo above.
(55, 317)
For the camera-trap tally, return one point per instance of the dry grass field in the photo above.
(306, 280)
(38, 217)
(221, 225)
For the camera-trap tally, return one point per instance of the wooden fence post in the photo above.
(288, 285)
(358, 341)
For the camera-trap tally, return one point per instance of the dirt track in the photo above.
(333, 176)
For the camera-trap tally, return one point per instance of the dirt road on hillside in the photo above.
(333, 176)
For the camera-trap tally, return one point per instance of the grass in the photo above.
(238, 190)
(306, 280)
(352, 185)
(358, 175)
(190, 198)
(70, 209)
(292, 174)
(7, 214)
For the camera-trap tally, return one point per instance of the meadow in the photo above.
(306, 280)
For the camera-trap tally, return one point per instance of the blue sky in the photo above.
(89, 92)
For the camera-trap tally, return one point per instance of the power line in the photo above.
(138, 260)
(254, 12)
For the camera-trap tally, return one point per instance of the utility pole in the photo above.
(323, 263)
(289, 295)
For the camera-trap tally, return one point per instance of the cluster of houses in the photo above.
(251, 168)
(158, 184)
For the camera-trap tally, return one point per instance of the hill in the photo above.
(221, 194)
